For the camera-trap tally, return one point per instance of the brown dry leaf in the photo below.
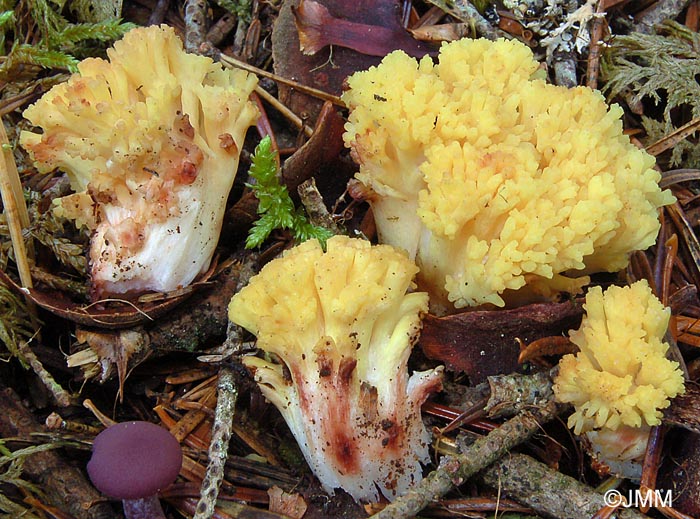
(107, 313)
(318, 28)
(484, 343)
(290, 505)
(327, 69)
(320, 154)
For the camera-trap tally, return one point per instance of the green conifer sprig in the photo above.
(275, 206)
(664, 68)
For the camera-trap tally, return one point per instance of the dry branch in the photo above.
(455, 469)
(64, 485)
(547, 491)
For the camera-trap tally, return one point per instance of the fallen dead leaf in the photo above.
(483, 343)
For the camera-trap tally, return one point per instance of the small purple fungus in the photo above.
(133, 461)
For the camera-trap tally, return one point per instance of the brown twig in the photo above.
(314, 92)
(658, 12)
(286, 112)
(62, 397)
(593, 65)
(547, 491)
(221, 28)
(218, 448)
(455, 469)
(158, 14)
(312, 201)
(196, 25)
(62, 484)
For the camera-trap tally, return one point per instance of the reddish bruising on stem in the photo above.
(336, 384)
(227, 143)
(188, 173)
(334, 416)
(394, 434)
(127, 234)
(343, 445)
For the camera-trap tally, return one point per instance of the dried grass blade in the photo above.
(671, 253)
(15, 209)
(689, 237)
(314, 92)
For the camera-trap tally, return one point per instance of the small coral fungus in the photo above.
(620, 380)
(339, 327)
(150, 140)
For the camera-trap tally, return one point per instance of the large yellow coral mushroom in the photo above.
(340, 326)
(493, 180)
(621, 376)
(150, 141)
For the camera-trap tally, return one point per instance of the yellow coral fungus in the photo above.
(621, 375)
(340, 327)
(495, 181)
(150, 140)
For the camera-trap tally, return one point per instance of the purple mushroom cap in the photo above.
(134, 460)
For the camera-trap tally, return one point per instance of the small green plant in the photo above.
(663, 68)
(15, 323)
(59, 42)
(240, 8)
(275, 206)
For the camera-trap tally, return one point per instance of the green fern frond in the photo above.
(275, 206)
(102, 31)
(42, 57)
(649, 64)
